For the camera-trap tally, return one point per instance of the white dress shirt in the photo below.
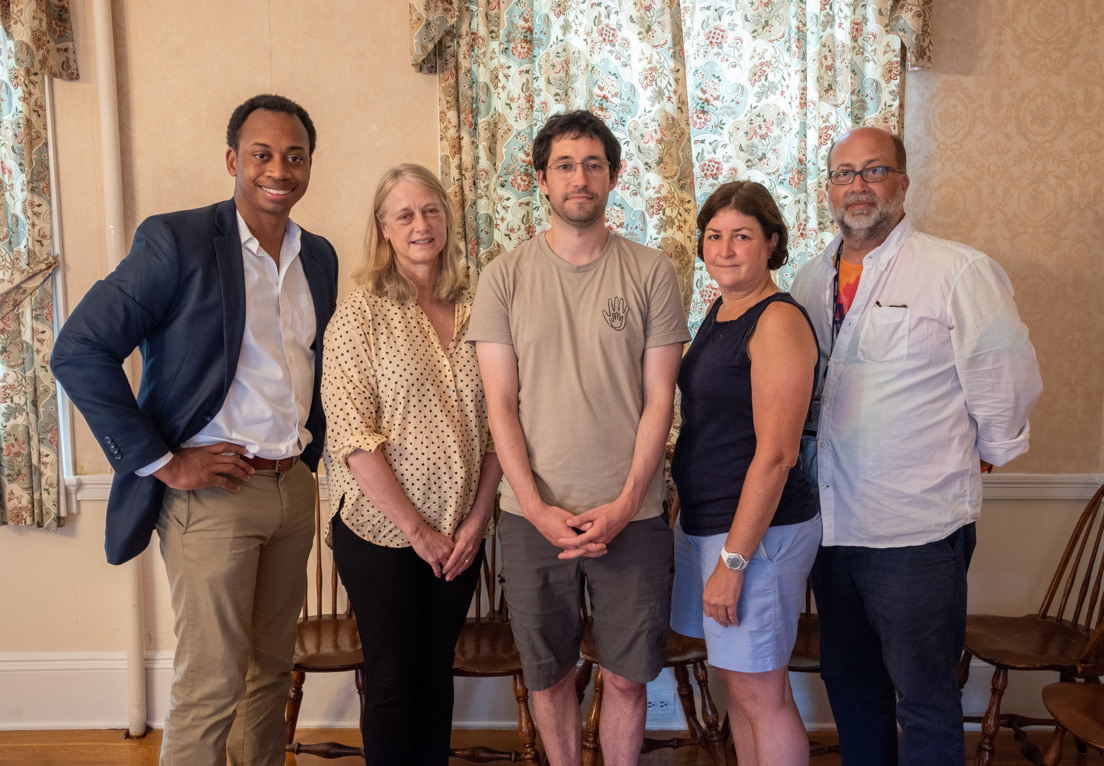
(267, 405)
(932, 371)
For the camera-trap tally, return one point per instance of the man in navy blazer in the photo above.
(228, 305)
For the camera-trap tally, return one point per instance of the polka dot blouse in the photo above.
(387, 384)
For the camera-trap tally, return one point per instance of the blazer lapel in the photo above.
(320, 297)
(228, 253)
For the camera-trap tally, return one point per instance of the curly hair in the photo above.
(273, 104)
(575, 125)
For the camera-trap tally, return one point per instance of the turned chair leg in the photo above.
(526, 730)
(964, 669)
(590, 730)
(990, 724)
(295, 701)
(361, 687)
(686, 699)
(1052, 754)
(582, 679)
(714, 739)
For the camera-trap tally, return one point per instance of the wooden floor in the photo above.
(112, 748)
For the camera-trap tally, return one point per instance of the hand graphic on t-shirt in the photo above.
(617, 313)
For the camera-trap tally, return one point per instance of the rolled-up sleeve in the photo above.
(995, 360)
(350, 396)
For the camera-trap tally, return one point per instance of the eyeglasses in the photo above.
(874, 175)
(591, 168)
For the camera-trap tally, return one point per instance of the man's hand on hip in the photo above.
(207, 466)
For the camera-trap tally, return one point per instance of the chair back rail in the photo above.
(1091, 662)
(321, 576)
(324, 643)
(1080, 573)
(489, 588)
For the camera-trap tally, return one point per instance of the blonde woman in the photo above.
(412, 474)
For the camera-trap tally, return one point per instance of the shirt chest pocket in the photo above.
(885, 339)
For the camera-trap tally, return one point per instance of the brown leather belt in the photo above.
(265, 464)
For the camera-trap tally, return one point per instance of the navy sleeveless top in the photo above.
(717, 438)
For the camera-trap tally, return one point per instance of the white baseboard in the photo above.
(87, 690)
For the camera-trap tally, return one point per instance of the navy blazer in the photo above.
(179, 297)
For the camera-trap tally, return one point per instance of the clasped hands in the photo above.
(448, 556)
(585, 535)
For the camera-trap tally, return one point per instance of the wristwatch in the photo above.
(733, 561)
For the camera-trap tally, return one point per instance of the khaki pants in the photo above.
(237, 564)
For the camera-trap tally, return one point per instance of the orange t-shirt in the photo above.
(848, 283)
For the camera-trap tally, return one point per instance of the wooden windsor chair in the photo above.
(1078, 709)
(325, 642)
(486, 649)
(1065, 635)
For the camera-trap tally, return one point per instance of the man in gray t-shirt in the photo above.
(579, 334)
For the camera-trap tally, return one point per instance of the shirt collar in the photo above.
(289, 247)
(885, 251)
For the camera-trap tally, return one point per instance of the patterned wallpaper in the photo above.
(1006, 135)
(1006, 153)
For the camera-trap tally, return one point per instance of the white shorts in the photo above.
(770, 601)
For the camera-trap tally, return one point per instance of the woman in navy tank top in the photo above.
(749, 526)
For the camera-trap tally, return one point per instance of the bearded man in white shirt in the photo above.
(928, 374)
(228, 305)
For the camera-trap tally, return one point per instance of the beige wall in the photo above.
(183, 67)
(1006, 136)
(1006, 142)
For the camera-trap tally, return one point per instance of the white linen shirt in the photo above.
(932, 371)
(269, 400)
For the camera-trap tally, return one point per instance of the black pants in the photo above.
(409, 621)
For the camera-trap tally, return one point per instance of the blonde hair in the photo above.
(379, 274)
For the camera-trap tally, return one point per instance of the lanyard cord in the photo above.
(837, 307)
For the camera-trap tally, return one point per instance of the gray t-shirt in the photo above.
(579, 333)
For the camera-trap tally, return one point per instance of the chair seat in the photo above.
(327, 644)
(1079, 708)
(805, 657)
(486, 648)
(1025, 643)
(678, 649)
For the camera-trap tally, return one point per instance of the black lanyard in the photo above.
(837, 307)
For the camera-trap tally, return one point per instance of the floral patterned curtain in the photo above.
(505, 66)
(698, 91)
(773, 83)
(37, 42)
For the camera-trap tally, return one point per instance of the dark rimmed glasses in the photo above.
(871, 175)
(591, 168)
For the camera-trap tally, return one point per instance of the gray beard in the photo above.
(875, 227)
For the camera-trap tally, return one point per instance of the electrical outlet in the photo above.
(664, 712)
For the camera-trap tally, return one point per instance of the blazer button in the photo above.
(207, 418)
(107, 440)
(118, 456)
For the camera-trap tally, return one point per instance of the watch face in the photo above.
(734, 561)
